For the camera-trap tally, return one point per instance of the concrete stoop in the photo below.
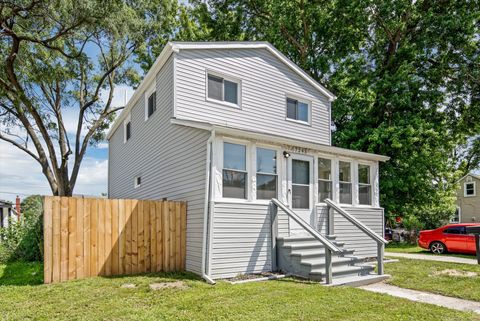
(304, 257)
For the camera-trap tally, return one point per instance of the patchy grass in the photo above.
(450, 279)
(415, 249)
(287, 299)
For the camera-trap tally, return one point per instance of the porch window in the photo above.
(266, 173)
(364, 185)
(345, 182)
(324, 179)
(298, 110)
(222, 89)
(234, 171)
(300, 184)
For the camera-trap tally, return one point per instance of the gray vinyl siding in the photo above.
(346, 232)
(265, 83)
(241, 239)
(170, 159)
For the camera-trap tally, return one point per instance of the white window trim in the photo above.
(302, 100)
(352, 180)
(333, 172)
(474, 189)
(127, 120)
(135, 184)
(248, 170)
(236, 80)
(279, 154)
(148, 92)
(372, 184)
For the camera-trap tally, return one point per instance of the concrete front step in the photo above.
(316, 253)
(319, 263)
(341, 271)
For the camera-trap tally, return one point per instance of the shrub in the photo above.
(23, 240)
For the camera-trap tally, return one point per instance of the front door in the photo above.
(300, 190)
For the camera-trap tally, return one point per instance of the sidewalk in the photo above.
(439, 258)
(424, 297)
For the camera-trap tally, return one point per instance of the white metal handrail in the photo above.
(377, 238)
(329, 246)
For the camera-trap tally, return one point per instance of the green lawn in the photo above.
(288, 299)
(430, 276)
(414, 249)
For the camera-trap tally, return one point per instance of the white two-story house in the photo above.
(229, 126)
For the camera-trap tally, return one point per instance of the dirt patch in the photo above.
(244, 277)
(456, 273)
(128, 286)
(168, 285)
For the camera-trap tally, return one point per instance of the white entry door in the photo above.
(300, 190)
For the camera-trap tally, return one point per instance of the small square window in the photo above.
(298, 110)
(222, 89)
(138, 181)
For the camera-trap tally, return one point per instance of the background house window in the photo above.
(222, 89)
(266, 173)
(234, 171)
(297, 110)
(151, 104)
(300, 184)
(470, 189)
(324, 179)
(345, 180)
(364, 185)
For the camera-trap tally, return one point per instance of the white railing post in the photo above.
(380, 249)
(274, 234)
(328, 266)
(331, 223)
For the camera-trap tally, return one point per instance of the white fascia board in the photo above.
(146, 82)
(279, 140)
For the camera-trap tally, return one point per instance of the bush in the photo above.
(23, 240)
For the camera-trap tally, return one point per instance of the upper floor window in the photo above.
(151, 104)
(266, 173)
(345, 182)
(470, 189)
(127, 129)
(324, 179)
(364, 185)
(298, 110)
(234, 170)
(226, 90)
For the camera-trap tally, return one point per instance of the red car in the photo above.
(451, 238)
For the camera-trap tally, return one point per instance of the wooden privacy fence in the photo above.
(86, 237)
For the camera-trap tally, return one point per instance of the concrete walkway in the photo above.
(418, 296)
(431, 257)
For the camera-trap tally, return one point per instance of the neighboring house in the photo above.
(468, 200)
(227, 127)
(7, 212)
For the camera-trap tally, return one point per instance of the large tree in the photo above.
(60, 57)
(407, 78)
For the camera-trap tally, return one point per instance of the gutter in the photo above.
(207, 235)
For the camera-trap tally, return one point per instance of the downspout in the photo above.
(206, 213)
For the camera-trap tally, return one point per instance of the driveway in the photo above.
(428, 257)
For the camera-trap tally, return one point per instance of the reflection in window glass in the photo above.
(234, 156)
(300, 184)
(364, 185)
(344, 176)
(266, 173)
(324, 179)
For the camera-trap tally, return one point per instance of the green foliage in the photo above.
(407, 78)
(23, 240)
